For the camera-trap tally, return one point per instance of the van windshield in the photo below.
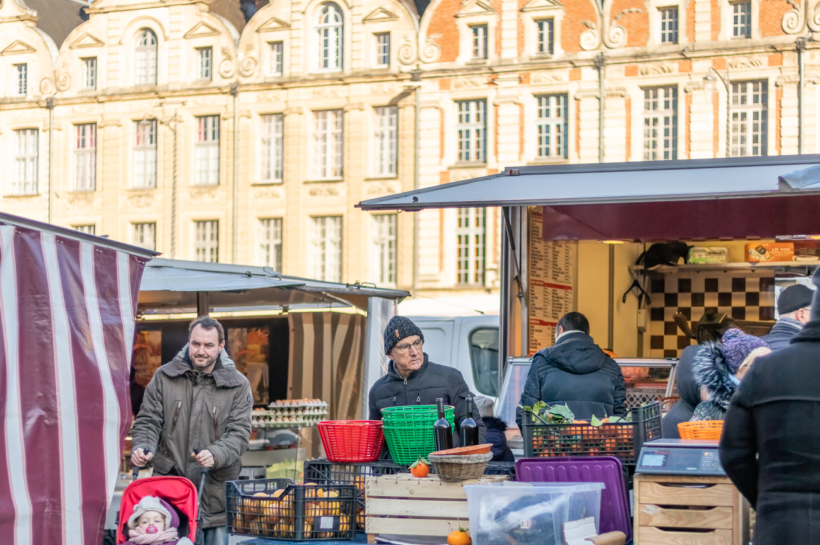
(484, 360)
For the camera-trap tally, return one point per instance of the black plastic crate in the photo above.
(501, 468)
(325, 472)
(623, 440)
(279, 509)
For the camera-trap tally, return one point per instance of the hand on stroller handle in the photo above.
(140, 459)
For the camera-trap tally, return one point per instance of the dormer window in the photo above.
(22, 79)
(329, 38)
(545, 31)
(146, 57)
(479, 41)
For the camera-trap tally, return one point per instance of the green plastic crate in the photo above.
(409, 431)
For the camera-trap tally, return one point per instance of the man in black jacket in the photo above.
(770, 447)
(577, 372)
(794, 310)
(412, 379)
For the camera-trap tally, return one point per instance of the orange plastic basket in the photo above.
(706, 429)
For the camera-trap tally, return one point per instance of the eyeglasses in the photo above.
(404, 348)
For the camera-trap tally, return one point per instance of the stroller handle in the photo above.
(137, 469)
(204, 472)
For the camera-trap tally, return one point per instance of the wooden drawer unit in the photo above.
(684, 510)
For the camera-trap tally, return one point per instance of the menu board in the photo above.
(551, 276)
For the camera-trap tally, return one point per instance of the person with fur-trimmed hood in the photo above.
(718, 369)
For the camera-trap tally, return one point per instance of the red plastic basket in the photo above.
(352, 440)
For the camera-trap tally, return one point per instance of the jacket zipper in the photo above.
(216, 423)
(176, 415)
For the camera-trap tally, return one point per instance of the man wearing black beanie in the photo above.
(794, 311)
(412, 379)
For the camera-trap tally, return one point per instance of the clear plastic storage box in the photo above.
(512, 513)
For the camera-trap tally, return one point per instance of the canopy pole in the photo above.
(202, 307)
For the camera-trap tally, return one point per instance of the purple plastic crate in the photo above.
(586, 469)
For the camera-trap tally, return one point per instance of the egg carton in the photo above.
(298, 403)
(266, 420)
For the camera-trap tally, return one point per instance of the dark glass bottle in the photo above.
(442, 429)
(469, 430)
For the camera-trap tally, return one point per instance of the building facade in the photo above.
(163, 124)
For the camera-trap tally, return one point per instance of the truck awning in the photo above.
(608, 183)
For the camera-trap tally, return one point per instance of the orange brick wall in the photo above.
(771, 16)
(521, 30)
(444, 23)
(715, 19)
(571, 26)
(636, 24)
(776, 59)
(575, 74)
(497, 36)
(684, 66)
(690, 22)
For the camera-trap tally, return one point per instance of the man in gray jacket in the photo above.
(196, 414)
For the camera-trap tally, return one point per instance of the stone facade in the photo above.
(497, 83)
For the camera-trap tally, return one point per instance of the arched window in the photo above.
(329, 37)
(146, 57)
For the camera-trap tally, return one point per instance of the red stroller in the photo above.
(177, 491)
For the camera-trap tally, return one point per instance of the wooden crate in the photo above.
(687, 510)
(405, 505)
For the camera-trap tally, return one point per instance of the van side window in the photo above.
(484, 360)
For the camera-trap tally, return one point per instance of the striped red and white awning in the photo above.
(68, 303)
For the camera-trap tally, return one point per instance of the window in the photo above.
(329, 36)
(328, 144)
(383, 50)
(270, 243)
(383, 249)
(552, 126)
(742, 20)
(472, 131)
(273, 148)
(669, 25)
(544, 36)
(479, 36)
(207, 150)
(25, 162)
(386, 142)
(484, 359)
(146, 57)
(85, 157)
(87, 229)
(206, 241)
(90, 73)
(144, 235)
(660, 123)
(277, 61)
(22, 79)
(145, 154)
(470, 237)
(750, 117)
(205, 56)
(326, 248)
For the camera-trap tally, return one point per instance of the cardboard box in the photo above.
(761, 252)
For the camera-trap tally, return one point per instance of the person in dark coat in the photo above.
(770, 445)
(689, 394)
(412, 379)
(794, 311)
(576, 372)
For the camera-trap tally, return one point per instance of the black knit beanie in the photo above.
(794, 298)
(399, 328)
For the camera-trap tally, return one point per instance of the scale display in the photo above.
(670, 458)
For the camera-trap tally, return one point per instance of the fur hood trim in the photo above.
(710, 370)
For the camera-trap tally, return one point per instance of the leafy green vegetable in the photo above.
(595, 422)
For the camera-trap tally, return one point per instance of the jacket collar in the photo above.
(224, 372)
(394, 374)
(787, 325)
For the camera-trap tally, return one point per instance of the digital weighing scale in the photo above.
(680, 457)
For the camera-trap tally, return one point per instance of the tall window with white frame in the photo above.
(669, 25)
(270, 243)
(207, 150)
(22, 79)
(470, 235)
(544, 37)
(145, 154)
(87, 229)
(144, 235)
(328, 144)
(741, 19)
(472, 131)
(382, 50)
(326, 248)
(26, 155)
(479, 41)
(750, 118)
(146, 57)
(552, 126)
(660, 123)
(329, 38)
(205, 58)
(383, 249)
(206, 241)
(277, 59)
(273, 148)
(386, 141)
(90, 73)
(85, 157)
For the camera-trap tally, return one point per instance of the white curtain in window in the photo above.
(146, 57)
(329, 36)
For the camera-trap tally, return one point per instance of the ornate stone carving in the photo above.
(407, 50)
(267, 193)
(606, 31)
(470, 83)
(141, 200)
(323, 190)
(794, 20)
(742, 63)
(655, 69)
(325, 92)
(354, 107)
(247, 66)
(377, 189)
(63, 80)
(384, 89)
(203, 196)
(294, 110)
(226, 66)
(272, 96)
(46, 87)
(547, 77)
(431, 52)
(80, 201)
(692, 86)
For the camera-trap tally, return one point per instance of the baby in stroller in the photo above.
(154, 522)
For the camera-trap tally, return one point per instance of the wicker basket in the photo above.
(705, 429)
(460, 468)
